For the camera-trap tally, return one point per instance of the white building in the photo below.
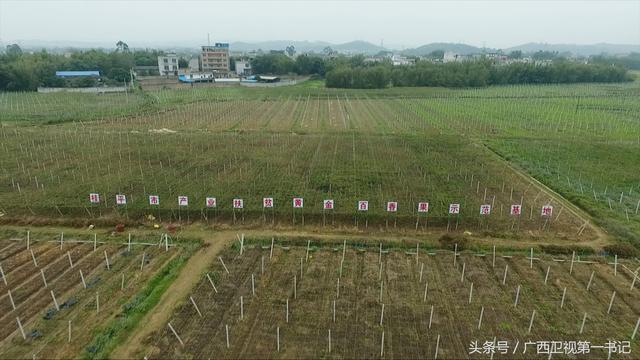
(243, 67)
(400, 60)
(194, 65)
(168, 64)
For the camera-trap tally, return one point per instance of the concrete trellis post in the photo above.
(546, 276)
(44, 279)
(480, 318)
(573, 257)
(493, 261)
(430, 316)
(193, 302)
(531, 260)
(106, 259)
(464, 265)
(435, 356)
(382, 345)
(504, 278)
(515, 304)
(24, 336)
(13, 304)
(226, 330)
(533, 316)
(55, 302)
(33, 257)
(613, 296)
(635, 331)
(84, 284)
(70, 261)
(590, 280)
(564, 294)
(584, 320)
(455, 254)
(223, 265)
(470, 293)
(334, 311)
(177, 336)
(211, 282)
(426, 288)
(271, 251)
(4, 278)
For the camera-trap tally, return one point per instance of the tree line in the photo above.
(20, 71)
(473, 74)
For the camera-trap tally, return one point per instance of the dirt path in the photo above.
(176, 293)
(602, 238)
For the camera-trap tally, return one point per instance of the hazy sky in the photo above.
(399, 23)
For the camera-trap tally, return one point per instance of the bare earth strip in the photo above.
(189, 276)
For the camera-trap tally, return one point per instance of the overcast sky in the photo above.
(497, 24)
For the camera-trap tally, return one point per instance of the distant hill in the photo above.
(308, 46)
(423, 50)
(581, 50)
(358, 47)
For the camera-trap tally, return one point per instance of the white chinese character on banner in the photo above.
(392, 206)
(454, 208)
(363, 205)
(267, 202)
(238, 203)
(154, 200)
(94, 198)
(328, 204)
(485, 209)
(183, 201)
(423, 207)
(516, 209)
(121, 199)
(211, 202)
(547, 210)
(298, 202)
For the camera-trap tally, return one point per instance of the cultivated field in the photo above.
(58, 297)
(405, 145)
(573, 147)
(432, 303)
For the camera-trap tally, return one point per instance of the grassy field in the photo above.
(288, 302)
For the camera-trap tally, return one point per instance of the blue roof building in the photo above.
(73, 74)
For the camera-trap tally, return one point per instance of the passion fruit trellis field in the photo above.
(53, 173)
(404, 145)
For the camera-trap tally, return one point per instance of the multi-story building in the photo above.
(215, 58)
(243, 67)
(168, 64)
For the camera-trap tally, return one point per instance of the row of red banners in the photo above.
(328, 204)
